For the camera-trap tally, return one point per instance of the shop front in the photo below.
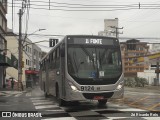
(32, 78)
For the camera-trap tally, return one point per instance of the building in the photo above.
(110, 28)
(34, 58)
(130, 50)
(12, 50)
(4, 61)
(30, 59)
(150, 74)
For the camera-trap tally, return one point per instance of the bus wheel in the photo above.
(102, 102)
(60, 101)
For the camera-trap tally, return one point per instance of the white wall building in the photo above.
(29, 68)
(150, 74)
(110, 26)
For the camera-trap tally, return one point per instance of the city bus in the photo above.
(83, 67)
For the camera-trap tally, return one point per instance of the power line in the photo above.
(100, 7)
(76, 4)
(60, 35)
(138, 5)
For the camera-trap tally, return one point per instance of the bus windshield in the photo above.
(94, 62)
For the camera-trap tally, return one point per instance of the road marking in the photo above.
(18, 94)
(34, 101)
(152, 107)
(138, 100)
(115, 118)
(28, 94)
(131, 109)
(83, 113)
(128, 92)
(42, 103)
(139, 107)
(38, 98)
(7, 95)
(61, 118)
(151, 118)
(55, 110)
(45, 106)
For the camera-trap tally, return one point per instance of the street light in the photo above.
(36, 31)
(32, 33)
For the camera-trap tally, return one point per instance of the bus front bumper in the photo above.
(80, 96)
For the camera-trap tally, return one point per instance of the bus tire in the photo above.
(61, 102)
(102, 102)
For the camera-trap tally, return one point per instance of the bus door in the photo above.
(58, 71)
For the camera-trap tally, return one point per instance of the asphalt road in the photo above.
(137, 104)
(143, 98)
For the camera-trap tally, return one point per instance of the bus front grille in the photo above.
(92, 95)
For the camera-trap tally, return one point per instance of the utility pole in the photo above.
(20, 52)
(20, 48)
(117, 32)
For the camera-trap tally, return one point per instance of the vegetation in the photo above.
(135, 82)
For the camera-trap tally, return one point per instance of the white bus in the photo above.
(83, 67)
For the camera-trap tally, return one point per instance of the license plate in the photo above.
(87, 88)
(98, 97)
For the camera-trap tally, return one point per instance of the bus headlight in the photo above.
(120, 86)
(73, 87)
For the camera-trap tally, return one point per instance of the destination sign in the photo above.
(91, 41)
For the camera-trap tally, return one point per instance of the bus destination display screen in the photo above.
(91, 41)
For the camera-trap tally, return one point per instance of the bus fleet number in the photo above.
(87, 88)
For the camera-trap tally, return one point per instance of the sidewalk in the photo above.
(7, 89)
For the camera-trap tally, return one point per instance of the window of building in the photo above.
(141, 48)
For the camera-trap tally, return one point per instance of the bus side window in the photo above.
(54, 60)
(49, 61)
(57, 58)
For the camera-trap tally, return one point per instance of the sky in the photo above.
(65, 17)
